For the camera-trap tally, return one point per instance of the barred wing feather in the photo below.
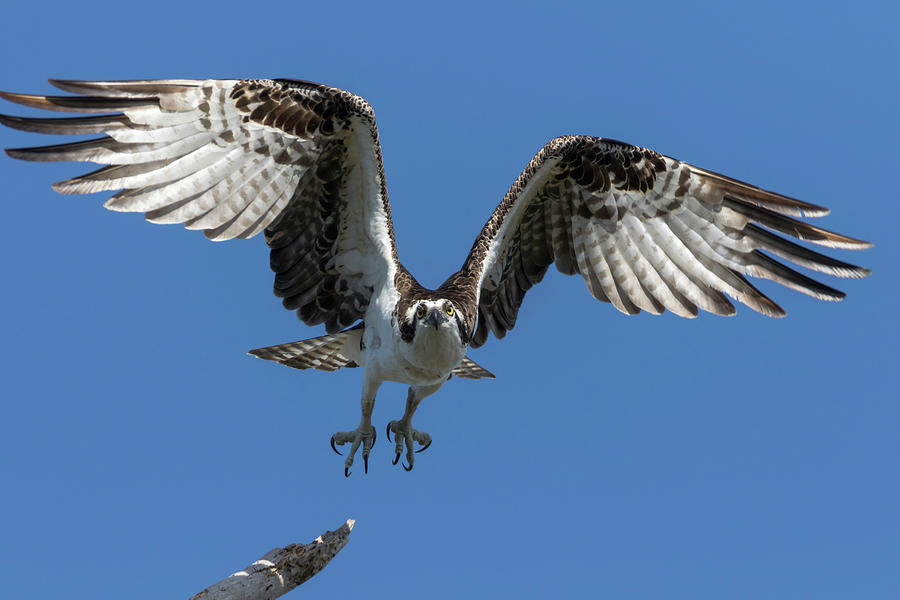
(233, 158)
(645, 232)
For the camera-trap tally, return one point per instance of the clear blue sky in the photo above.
(143, 454)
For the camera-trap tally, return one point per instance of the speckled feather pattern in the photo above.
(237, 157)
(324, 353)
(302, 162)
(645, 231)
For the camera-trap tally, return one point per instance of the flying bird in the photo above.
(301, 163)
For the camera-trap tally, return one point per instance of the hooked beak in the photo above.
(435, 318)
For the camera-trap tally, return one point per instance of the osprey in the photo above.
(302, 163)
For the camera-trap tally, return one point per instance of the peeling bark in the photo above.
(281, 569)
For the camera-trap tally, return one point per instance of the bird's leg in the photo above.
(364, 434)
(403, 429)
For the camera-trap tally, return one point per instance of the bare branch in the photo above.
(281, 569)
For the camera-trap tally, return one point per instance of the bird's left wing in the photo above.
(234, 157)
(645, 231)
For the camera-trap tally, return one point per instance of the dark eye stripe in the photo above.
(463, 334)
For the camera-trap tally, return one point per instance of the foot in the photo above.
(358, 436)
(405, 434)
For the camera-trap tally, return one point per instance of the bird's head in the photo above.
(433, 313)
(429, 316)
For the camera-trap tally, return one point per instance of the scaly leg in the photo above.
(364, 434)
(403, 429)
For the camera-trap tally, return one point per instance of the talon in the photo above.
(407, 468)
(365, 462)
(423, 448)
(387, 432)
(346, 471)
(333, 447)
(396, 459)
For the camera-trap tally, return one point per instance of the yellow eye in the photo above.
(450, 311)
(420, 312)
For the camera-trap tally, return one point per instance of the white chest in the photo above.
(427, 360)
(437, 350)
(434, 351)
(431, 355)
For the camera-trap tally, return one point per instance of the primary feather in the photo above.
(302, 163)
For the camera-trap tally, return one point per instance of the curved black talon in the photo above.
(346, 471)
(423, 448)
(396, 459)
(387, 432)
(365, 462)
(333, 448)
(407, 468)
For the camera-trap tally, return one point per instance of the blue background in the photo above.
(143, 454)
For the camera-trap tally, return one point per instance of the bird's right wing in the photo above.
(300, 160)
(645, 231)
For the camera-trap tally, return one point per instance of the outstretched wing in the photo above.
(301, 161)
(646, 232)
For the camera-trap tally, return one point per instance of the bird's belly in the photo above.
(426, 361)
(418, 376)
(398, 368)
(433, 356)
(414, 365)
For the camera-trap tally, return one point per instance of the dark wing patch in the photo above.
(645, 231)
(299, 160)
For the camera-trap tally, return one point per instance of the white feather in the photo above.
(209, 199)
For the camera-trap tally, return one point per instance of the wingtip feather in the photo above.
(65, 187)
(63, 84)
(773, 309)
(135, 88)
(22, 154)
(23, 99)
(9, 120)
(743, 191)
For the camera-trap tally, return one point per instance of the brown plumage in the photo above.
(579, 188)
(645, 231)
(302, 162)
(304, 170)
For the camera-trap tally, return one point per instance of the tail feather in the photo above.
(325, 353)
(469, 369)
(337, 350)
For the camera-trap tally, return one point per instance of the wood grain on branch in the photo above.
(281, 569)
